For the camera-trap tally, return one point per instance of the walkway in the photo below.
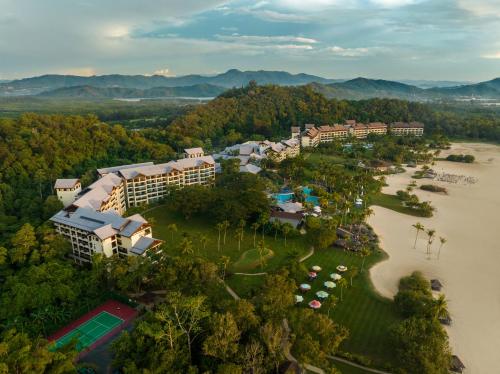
(311, 252)
(350, 363)
(251, 274)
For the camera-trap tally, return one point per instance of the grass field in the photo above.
(348, 369)
(367, 315)
(244, 260)
(392, 202)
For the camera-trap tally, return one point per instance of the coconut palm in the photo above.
(330, 303)
(352, 273)
(276, 227)
(239, 236)
(225, 226)
(419, 227)
(255, 226)
(442, 242)
(242, 225)
(342, 283)
(263, 220)
(172, 228)
(430, 238)
(224, 261)
(261, 248)
(285, 229)
(364, 253)
(203, 241)
(440, 307)
(219, 227)
(186, 246)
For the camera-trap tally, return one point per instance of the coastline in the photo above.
(467, 218)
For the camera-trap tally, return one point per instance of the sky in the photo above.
(386, 39)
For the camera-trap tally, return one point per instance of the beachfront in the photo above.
(468, 217)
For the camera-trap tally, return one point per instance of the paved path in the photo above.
(350, 363)
(231, 292)
(251, 274)
(311, 252)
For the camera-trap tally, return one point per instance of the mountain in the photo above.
(363, 88)
(229, 79)
(432, 84)
(89, 92)
(489, 89)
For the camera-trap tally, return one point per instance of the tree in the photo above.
(442, 242)
(186, 246)
(219, 227)
(276, 295)
(203, 241)
(440, 307)
(22, 242)
(222, 343)
(261, 248)
(276, 227)
(239, 236)
(263, 220)
(352, 273)
(421, 346)
(272, 336)
(172, 228)
(364, 253)
(255, 226)
(430, 238)
(419, 227)
(330, 303)
(342, 283)
(224, 261)
(19, 354)
(225, 226)
(285, 229)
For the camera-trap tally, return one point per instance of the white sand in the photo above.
(469, 265)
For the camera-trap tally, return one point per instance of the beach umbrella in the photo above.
(335, 276)
(316, 268)
(342, 268)
(305, 287)
(315, 304)
(312, 274)
(298, 299)
(329, 284)
(322, 294)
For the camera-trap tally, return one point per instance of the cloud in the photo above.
(82, 72)
(349, 52)
(264, 39)
(492, 56)
(483, 8)
(163, 72)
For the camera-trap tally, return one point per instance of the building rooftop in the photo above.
(114, 169)
(98, 192)
(143, 244)
(194, 151)
(66, 183)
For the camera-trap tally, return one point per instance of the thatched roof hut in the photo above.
(436, 285)
(456, 365)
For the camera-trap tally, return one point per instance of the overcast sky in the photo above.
(389, 39)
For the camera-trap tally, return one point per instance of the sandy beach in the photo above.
(469, 265)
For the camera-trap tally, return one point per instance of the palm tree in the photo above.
(242, 225)
(226, 225)
(262, 250)
(186, 246)
(219, 227)
(419, 227)
(440, 307)
(342, 283)
(263, 219)
(365, 252)
(224, 261)
(255, 226)
(285, 229)
(353, 271)
(330, 303)
(430, 239)
(276, 227)
(239, 236)
(442, 241)
(203, 241)
(172, 228)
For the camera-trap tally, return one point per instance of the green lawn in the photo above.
(348, 369)
(392, 202)
(367, 315)
(244, 260)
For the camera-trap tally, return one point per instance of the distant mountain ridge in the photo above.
(89, 92)
(141, 86)
(229, 79)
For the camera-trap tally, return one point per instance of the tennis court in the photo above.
(90, 331)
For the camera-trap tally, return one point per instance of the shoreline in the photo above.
(467, 218)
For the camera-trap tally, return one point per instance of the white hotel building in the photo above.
(92, 220)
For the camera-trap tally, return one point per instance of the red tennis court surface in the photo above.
(95, 327)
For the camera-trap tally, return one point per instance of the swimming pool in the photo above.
(285, 197)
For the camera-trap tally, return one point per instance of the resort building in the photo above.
(193, 152)
(91, 232)
(405, 129)
(67, 190)
(252, 152)
(312, 136)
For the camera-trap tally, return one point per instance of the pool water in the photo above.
(285, 197)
